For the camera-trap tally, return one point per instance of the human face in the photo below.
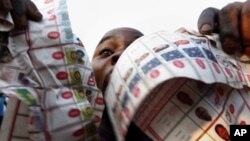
(108, 51)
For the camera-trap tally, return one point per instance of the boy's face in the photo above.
(108, 52)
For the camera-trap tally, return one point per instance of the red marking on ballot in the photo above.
(78, 133)
(99, 101)
(50, 11)
(231, 108)
(67, 95)
(127, 113)
(217, 69)
(97, 118)
(200, 63)
(243, 122)
(74, 113)
(220, 91)
(62, 75)
(53, 35)
(154, 73)
(136, 92)
(58, 55)
(181, 42)
(52, 17)
(240, 76)
(178, 64)
(248, 77)
(229, 72)
(48, 1)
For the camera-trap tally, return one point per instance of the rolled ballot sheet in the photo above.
(178, 86)
(50, 82)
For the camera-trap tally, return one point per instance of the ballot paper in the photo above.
(50, 82)
(178, 86)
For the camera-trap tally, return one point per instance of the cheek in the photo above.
(96, 69)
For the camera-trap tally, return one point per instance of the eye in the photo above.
(105, 52)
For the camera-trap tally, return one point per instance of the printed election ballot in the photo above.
(49, 81)
(180, 87)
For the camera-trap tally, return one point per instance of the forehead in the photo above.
(121, 34)
(124, 32)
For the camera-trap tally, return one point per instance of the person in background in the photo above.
(232, 23)
(2, 105)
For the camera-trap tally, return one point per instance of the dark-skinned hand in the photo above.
(232, 23)
(21, 11)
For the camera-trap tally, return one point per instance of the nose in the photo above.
(115, 57)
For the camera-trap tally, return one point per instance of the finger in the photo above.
(245, 26)
(207, 22)
(18, 14)
(229, 27)
(33, 12)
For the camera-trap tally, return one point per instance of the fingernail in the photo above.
(35, 15)
(38, 15)
(206, 28)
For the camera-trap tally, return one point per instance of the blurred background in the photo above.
(91, 19)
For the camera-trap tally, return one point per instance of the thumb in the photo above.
(5, 5)
(33, 12)
(18, 14)
(208, 21)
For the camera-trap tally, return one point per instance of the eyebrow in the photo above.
(104, 39)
